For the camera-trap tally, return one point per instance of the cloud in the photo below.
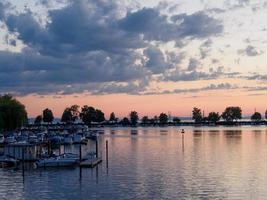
(155, 26)
(250, 51)
(89, 45)
(205, 48)
(221, 86)
(193, 64)
(184, 75)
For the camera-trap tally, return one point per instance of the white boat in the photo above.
(68, 140)
(8, 161)
(10, 139)
(40, 137)
(63, 160)
(2, 139)
(78, 138)
(33, 139)
(22, 139)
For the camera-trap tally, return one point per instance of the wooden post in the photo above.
(107, 153)
(80, 153)
(96, 147)
(59, 150)
(183, 140)
(23, 157)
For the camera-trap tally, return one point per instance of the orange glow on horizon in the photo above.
(177, 104)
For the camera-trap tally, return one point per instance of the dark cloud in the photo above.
(91, 45)
(193, 75)
(205, 48)
(221, 86)
(157, 27)
(193, 64)
(250, 51)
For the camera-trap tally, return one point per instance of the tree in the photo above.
(90, 114)
(125, 121)
(197, 116)
(145, 120)
(70, 114)
(13, 114)
(112, 117)
(213, 117)
(134, 117)
(256, 116)
(99, 116)
(48, 115)
(163, 118)
(87, 114)
(232, 113)
(66, 116)
(38, 119)
(176, 120)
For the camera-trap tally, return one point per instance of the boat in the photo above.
(63, 160)
(40, 137)
(33, 139)
(22, 139)
(2, 139)
(78, 138)
(7, 161)
(10, 139)
(68, 140)
(93, 136)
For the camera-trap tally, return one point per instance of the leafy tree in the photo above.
(163, 118)
(256, 116)
(125, 121)
(145, 120)
(87, 114)
(48, 115)
(67, 116)
(197, 116)
(214, 117)
(13, 114)
(112, 117)
(176, 120)
(38, 119)
(134, 117)
(99, 116)
(70, 114)
(90, 114)
(232, 113)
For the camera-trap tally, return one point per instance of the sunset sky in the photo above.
(145, 55)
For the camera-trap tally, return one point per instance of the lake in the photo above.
(156, 163)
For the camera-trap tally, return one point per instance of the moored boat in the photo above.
(2, 139)
(63, 160)
(68, 140)
(33, 139)
(10, 139)
(7, 161)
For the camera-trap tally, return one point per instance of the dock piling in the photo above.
(80, 154)
(107, 153)
(96, 147)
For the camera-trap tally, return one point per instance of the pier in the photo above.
(90, 163)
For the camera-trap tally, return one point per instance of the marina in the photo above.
(191, 165)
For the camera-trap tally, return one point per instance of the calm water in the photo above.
(155, 163)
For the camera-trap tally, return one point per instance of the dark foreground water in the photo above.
(155, 163)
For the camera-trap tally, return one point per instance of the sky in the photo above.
(149, 56)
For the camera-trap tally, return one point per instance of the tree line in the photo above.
(13, 115)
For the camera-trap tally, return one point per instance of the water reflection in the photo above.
(134, 132)
(233, 134)
(223, 163)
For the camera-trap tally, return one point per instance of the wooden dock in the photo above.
(90, 163)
